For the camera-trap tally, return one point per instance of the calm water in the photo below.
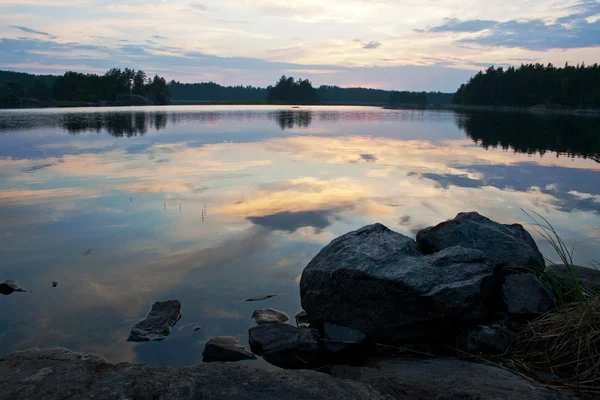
(109, 203)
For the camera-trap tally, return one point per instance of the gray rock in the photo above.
(269, 316)
(157, 324)
(488, 339)
(10, 286)
(340, 338)
(527, 294)
(588, 278)
(447, 379)
(54, 374)
(374, 280)
(285, 345)
(302, 319)
(507, 245)
(225, 348)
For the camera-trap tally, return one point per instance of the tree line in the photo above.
(130, 87)
(533, 84)
(117, 86)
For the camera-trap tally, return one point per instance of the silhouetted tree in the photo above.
(288, 91)
(414, 98)
(533, 84)
(139, 83)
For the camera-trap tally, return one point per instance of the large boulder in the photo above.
(53, 374)
(527, 294)
(447, 379)
(375, 280)
(506, 245)
(285, 345)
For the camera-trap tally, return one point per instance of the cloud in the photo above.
(48, 56)
(372, 45)
(29, 30)
(158, 37)
(368, 157)
(456, 25)
(292, 221)
(198, 6)
(577, 30)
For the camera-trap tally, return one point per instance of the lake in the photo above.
(215, 204)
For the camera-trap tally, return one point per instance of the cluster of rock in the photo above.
(469, 282)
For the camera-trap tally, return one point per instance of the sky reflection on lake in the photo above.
(277, 183)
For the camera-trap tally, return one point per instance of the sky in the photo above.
(389, 44)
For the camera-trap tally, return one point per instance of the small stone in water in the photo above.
(263, 297)
(197, 328)
(54, 284)
(10, 286)
(269, 316)
(157, 324)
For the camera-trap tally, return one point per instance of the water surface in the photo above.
(212, 205)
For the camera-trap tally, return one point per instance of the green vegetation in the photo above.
(115, 87)
(214, 93)
(565, 342)
(407, 98)
(532, 85)
(290, 91)
(130, 87)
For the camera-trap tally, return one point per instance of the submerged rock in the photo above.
(54, 374)
(269, 316)
(225, 348)
(339, 338)
(527, 294)
(158, 323)
(507, 245)
(10, 286)
(285, 345)
(375, 280)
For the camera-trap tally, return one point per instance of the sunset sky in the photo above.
(391, 44)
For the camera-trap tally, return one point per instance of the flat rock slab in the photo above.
(53, 374)
(269, 316)
(285, 345)
(225, 348)
(10, 286)
(158, 323)
(507, 245)
(449, 379)
(527, 294)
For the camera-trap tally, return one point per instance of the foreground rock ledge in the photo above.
(60, 373)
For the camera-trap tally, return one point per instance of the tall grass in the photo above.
(566, 292)
(565, 342)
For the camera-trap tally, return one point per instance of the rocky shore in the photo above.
(384, 316)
